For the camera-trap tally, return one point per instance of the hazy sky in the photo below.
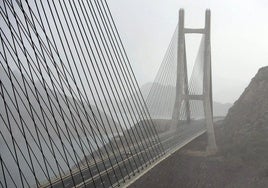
(239, 37)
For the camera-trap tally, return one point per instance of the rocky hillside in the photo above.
(251, 109)
(245, 128)
(253, 103)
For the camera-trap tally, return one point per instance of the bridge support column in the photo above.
(182, 77)
(207, 88)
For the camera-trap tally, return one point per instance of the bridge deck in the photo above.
(171, 141)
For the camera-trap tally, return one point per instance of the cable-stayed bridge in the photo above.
(177, 99)
(71, 111)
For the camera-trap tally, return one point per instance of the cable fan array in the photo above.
(161, 97)
(71, 111)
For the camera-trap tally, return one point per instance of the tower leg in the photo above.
(211, 141)
(207, 88)
(180, 73)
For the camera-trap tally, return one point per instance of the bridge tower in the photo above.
(182, 90)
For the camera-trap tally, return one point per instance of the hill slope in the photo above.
(53, 110)
(249, 114)
(245, 128)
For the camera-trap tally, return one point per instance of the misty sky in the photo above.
(239, 37)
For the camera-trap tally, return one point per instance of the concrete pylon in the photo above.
(182, 90)
(207, 88)
(182, 77)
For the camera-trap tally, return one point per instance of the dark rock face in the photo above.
(245, 128)
(253, 103)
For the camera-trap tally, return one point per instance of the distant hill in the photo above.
(219, 109)
(47, 107)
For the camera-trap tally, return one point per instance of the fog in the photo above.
(238, 36)
(71, 112)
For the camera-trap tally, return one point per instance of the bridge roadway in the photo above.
(169, 142)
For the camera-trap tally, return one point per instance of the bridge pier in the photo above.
(207, 88)
(182, 77)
